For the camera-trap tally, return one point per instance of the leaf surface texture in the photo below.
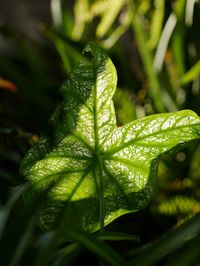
(92, 170)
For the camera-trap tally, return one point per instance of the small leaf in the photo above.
(94, 171)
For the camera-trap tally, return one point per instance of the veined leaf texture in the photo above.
(92, 171)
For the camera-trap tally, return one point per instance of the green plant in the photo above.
(94, 172)
(154, 45)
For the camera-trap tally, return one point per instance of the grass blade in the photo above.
(163, 43)
(96, 246)
(156, 24)
(192, 74)
(115, 236)
(153, 252)
(80, 7)
(147, 59)
(56, 12)
(189, 12)
(108, 18)
(5, 211)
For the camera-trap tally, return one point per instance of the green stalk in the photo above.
(147, 60)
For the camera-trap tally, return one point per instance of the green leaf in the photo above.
(98, 247)
(174, 239)
(70, 56)
(124, 106)
(189, 255)
(115, 236)
(156, 23)
(5, 210)
(164, 41)
(147, 58)
(56, 12)
(94, 171)
(111, 12)
(192, 74)
(80, 12)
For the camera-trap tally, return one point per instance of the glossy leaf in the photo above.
(94, 171)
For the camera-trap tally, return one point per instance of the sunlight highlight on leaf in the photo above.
(95, 171)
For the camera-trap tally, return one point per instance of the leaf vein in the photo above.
(125, 145)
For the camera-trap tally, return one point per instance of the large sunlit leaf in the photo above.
(93, 170)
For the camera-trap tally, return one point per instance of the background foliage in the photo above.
(155, 47)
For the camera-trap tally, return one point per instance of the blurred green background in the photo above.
(155, 46)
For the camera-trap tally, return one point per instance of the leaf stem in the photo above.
(101, 194)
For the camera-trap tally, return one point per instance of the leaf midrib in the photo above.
(98, 155)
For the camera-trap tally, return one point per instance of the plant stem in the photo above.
(101, 190)
(147, 59)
